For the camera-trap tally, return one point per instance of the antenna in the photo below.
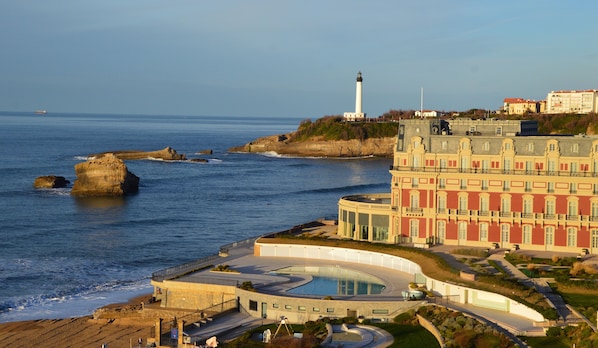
(421, 104)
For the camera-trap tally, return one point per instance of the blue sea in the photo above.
(62, 257)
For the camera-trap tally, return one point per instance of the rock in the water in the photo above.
(104, 176)
(204, 152)
(167, 154)
(199, 160)
(50, 181)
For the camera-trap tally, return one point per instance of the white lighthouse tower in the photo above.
(358, 115)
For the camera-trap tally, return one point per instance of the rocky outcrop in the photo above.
(106, 175)
(167, 154)
(50, 181)
(379, 147)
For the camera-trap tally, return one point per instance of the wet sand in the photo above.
(78, 332)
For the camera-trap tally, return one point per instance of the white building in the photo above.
(427, 113)
(358, 115)
(578, 102)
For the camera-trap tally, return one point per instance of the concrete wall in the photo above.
(456, 292)
(176, 294)
(300, 310)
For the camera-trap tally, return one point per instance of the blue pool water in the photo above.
(329, 280)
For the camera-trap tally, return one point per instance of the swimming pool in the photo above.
(333, 280)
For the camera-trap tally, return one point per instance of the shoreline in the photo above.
(81, 331)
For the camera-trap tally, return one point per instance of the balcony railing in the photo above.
(494, 171)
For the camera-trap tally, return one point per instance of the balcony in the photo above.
(493, 171)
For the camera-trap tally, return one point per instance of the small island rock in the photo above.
(50, 181)
(167, 154)
(104, 176)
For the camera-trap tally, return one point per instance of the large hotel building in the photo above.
(482, 183)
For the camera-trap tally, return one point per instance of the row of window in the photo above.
(506, 185)
(253, 305)
(505, 231)
(505, 204)
(508, 165)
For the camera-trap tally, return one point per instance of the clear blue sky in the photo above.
(290, 58)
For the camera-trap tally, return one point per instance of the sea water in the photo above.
(61, 256)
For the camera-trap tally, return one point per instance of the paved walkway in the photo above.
(540, 284)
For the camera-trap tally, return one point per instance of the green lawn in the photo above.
(409, 336)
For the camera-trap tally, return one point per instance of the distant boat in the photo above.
(41, 112)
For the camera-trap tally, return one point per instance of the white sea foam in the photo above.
(82, 304)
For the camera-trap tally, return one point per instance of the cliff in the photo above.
(167, 154)
(104, 176)
(317, 147)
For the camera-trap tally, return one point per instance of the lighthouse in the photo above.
(358, 115)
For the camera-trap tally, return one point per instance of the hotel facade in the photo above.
(482, 183)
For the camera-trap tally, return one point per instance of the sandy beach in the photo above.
(78, 332)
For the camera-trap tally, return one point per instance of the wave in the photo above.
(82, 300)
(274, 154)
(344, 188)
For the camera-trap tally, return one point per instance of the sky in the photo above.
(290, 58)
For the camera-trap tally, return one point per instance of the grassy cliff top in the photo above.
(335, 128)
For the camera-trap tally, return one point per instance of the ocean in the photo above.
(62, 256)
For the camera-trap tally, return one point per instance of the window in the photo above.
(572, 187)
(442, 164)
(507, 167)
(463, 184)
(571, 237)
(575, 148)
(529, 167)
(574, 167)
(252, 305)
(414, 182)
(486, 146)
(507, 146)
(505, 206)
(414, 201)
(485, 166)
(444, 144)
(413, 228)
(572, 209)
(527, 208)
(504, 233)
(527, 234)
(275, 305)
(483, 232)
(506, 185)
(301, 308)
(442, 183)
(528, 186)
(329, 310)
(551, 147)
(484, 205)
(550, 187)
(594, 239)
(315, 309)
(594, 216)
(462, 231)
(549, 235)
(287, 306)
(499, 130)
(530, 147)
(441, 231)
(462, 205)
(485, 185)
(550, 206)
(442, 204)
